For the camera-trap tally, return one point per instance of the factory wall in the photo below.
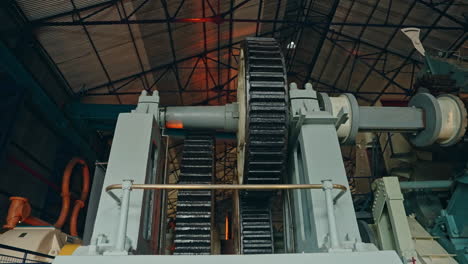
(28, 165)
(35, 152)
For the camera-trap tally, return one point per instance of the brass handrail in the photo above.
(224, 187)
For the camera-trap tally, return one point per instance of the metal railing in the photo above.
(109, 188)
(127, 186)
(22, 256)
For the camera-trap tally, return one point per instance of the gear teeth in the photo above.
(256, 229)
(266, 139)
(194, 214)
(267, 111)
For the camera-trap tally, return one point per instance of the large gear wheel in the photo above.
(263, 100)
(262, 137)
(195, 207)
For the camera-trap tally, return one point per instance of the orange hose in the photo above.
(74, 217)
(18, 211)
(66, 195)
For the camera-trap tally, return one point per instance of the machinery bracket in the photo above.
(390, 218)
(341, 118)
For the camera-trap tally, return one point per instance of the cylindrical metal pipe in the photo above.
(426, 184)
(222, 118)
(327, 189)
(390, 119)
(124, 206)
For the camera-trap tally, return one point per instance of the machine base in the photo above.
(382, 257)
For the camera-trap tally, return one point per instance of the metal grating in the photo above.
(16, 255)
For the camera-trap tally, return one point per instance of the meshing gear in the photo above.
(263, 95)
(262, 155)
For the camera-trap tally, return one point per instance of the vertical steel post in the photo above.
(333, 233)
(122, 230)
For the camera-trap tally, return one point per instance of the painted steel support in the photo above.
(135, 154)
(48, 109)
(123, 219)
(390, 218)
(93, 202)
(327, 189)
(309, 224)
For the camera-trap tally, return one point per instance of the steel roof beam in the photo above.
(327, 60)
(371, 67)
(145, 81)
(444, 13)
(174, 56)
(216, 20)
(338, 90)
(323, 36)
(355, 44)
(234, 8)
(387, 44)
(231, 32)
(136, 9)
(298, 13)
(426, 34)
(374, 46)
(220, 94)
(205, 44)
(163, 66)
(75, 11)
(91, 42)
(218, 45)
(278, 6)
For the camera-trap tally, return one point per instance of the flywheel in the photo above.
(262, 138)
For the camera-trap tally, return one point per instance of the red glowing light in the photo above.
(215, 19)
(175, 124)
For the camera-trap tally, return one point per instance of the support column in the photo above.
(134, 155)
(317, 157)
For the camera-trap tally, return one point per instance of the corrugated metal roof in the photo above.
(363, 50)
